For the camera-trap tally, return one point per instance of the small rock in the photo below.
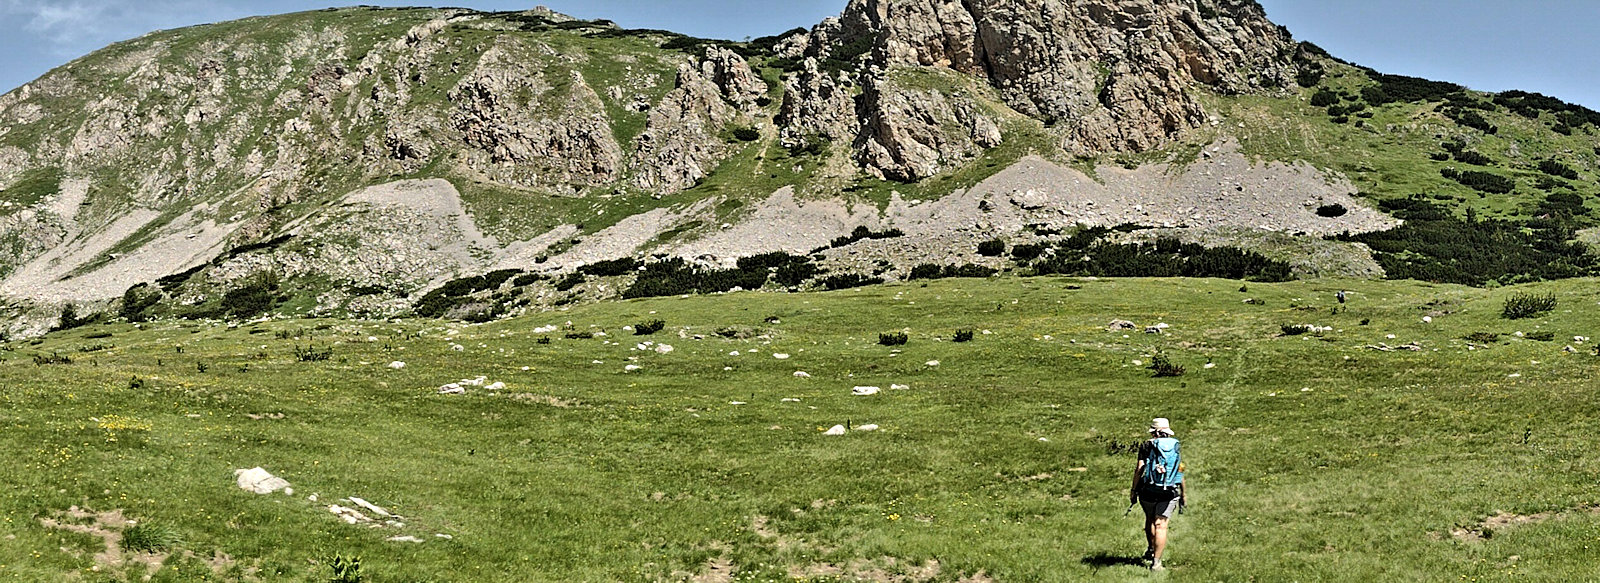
(899, 387)
(404, 539)
(370, 507)
(835, 430)
(496, 386)
(663, 348)
(781, 356)
(457, 347)
(444, 536)
(932, 363)
(867, 427)
(452, 389)
(864, 391)
(800, 374)
(632, 367)
(789, 400)
(397, 365)
(1211, 365)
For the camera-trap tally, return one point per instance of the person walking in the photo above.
(1158, 488)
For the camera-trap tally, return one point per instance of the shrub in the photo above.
(963, 336)
(1527, 305)
(892, 338)
(257, 296)
(1434, 245)
(648, 328)
(44, 360)
(543, 340)
(584, 335)
(1471, 119)
(1027, 252)
(1294, 329)
(527, 279)
(137, 301)
(1542, 336)
(312, 354)
(1397, 88)
(992, 248)
(1482, 337)
(1332, 210)
(571, 280)
(1474, 158)
(931, 271)
(1480, 181)
(612, 268)
(1324, 98)
(1164, 367)
(864, 233)
(69, 318)
(1555, 168)
(926, 271)
(746, 134)
(848, 280)
(147, 537)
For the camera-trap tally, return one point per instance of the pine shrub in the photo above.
(963, 336)
(1164, 367)
(893, 338)
(648, 327)
(1527, 305)
(992, 248)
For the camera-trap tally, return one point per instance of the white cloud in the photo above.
(74, 27)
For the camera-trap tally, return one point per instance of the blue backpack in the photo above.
(1164, 466)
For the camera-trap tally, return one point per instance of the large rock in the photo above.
(732, 74)
(910, 134)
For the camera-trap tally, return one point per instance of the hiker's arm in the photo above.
(1133, 490)
(1183, 493)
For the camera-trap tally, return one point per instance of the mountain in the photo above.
(382, 161)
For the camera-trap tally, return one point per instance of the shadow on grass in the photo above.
(1102, 560)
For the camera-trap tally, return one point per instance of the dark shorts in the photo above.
(1158, 502)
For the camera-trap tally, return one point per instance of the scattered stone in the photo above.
(1211, 365)
(864, 391)
(457, 347)
(397, 365)
(370, 507)
(781, 356)
(736, 403)
(496, 386)
(349, 515)
(631, 367)
(1119, 325)
(260, 481)
(790, 400)
(835, 430)
(899, 387)
(800, 374)
(932, 363)
(663, 348)
(867, 427)
(452, 389)
(404, 539)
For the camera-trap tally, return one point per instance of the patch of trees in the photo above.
(675, 276)
(1556, 168)
(1433, 245)
(1165, 258)
(934, 271)
(1531, 105)
(1400, 89)
(1471, 119)
(458, 292)
(861, 233)
(1480, 181)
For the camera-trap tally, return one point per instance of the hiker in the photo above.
(1158, 488)
(1341, 296)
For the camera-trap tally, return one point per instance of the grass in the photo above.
(580, 471)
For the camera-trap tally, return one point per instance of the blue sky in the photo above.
(1549, 46)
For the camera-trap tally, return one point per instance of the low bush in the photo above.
(49, 359)
(1324, 98)
(992, 248)
(1527, 305)
(137, 302)
(1542, 336)
(1480, 181)
(1482, 337)
(312, 354)
(931, 271)
(584, 335)
(571, 280)
(612, 268)
(1294, 329)
(1556, 168)
(847, 281)
(861, 233)
(257, 296)
(963, 336)
(1332, 211)
(648, 327)
(1434, 245)
(746, 134)
(893, 338)
(1474, 158)
(1027, 252)
(1164, 367)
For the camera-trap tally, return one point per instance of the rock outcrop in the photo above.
(529, 129)
(680, 145)
(816, 105)
(731, 73)
(910, 134)
(1109, 75)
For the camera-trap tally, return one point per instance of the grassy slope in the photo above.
(1360, 478)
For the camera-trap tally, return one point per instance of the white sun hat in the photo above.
(1161, 424)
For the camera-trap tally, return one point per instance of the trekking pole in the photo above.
(1125, 513)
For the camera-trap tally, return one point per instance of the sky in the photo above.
(1548, 46)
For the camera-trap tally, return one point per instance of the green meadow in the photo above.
(1334, 455)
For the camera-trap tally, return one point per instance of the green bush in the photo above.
(1473, 158)
(892, 338)
(612, 268)
(257, 296)
(1324, 98)
(1482, 337)
(1294, 329)
(648, 328)
(848, 280)
(346, 570)
(137, 301)
(1027, 252)
(992, 248)
(1480, 181)
(312, 354)
(1556, 168)
(1545, 336)
(1527, 305)
(963, 336)
(1434, 245)
(746, 134)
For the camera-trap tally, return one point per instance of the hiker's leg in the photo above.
(1158, 535)
(1150, 535)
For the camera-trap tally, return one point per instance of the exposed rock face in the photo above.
(911, 134)
(558, 137)
(732, 73)
(1112, 74)
(814, 104)
(680, 145)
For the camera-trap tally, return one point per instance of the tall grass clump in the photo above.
(892, 338)
(1527, 305)
(1164, 367)
(149, 538)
